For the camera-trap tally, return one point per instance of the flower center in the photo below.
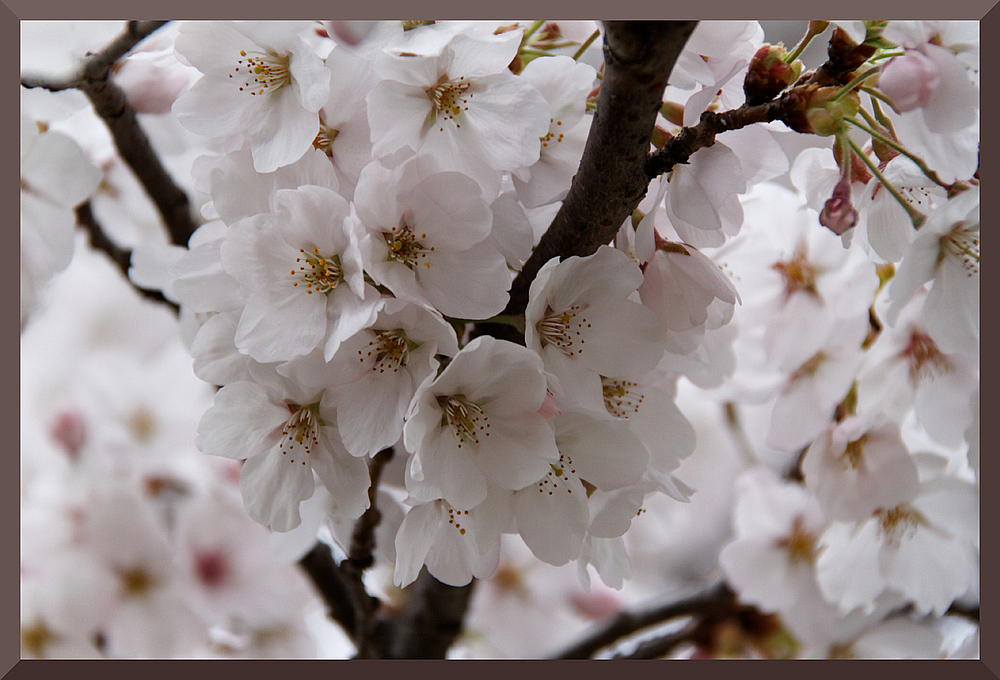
(466, 420)
(559, 473)
(450, 98)
(562, 329)
(552, 134)
(854, 453)
(799, 544)
(300, 433)
(898, 523)
(799, 274)
(926, 360)
(324, 138)
(212, 568)
(262, 72)
(136, 582)
(404, 246)
(390, 349)
(319, 272)
(619, 398)
(964, 244)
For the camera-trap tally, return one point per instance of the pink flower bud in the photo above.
(910, 81)
(70, 431)
(838, 214)
(349, 32)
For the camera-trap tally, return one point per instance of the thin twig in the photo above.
(708, 604)
(120, 256)
(110, 103)
(360, 557)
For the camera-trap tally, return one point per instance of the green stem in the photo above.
(916, 216)
(854, 83)
(588, 43)
(798, 49)
(878, 95)
(530, 31)
(533, 52)
(881, 117)
(931, 175)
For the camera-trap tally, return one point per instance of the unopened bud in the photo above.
(910, 80)
(660, 137)
(70, 432)
(845, 55)
(812, 110)
(673, 112)
(768, 74)
(838, 214)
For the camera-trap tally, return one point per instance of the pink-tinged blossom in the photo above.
(302, 269)
(456, 545)
(261, 81)
(565, 85)
(554, 514)
(946, 251)
(378, 370)
(478, 423)
(580, 322)
(462, 109)
(922, 549)
(285, 428)
(426, 239)
(857, 467)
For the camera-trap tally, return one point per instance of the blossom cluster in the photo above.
(804, 294)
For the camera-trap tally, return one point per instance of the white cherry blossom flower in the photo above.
(922, 549)
(285, 429)
(565, 85)
(478, 423)
(378, 370)
(261, 81)
(857, 467)
(554, 515)
(426, 239)
(456, 545)
(462, 108)
(946, 251)
(580, 322)
(302, 270)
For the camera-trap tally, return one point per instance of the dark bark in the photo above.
(120, 256)
(612, 179)
(707, 605)
(431, 621)
(94, 80)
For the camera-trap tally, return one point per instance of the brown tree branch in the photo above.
(709, 604)
(120, 256)
(342, 585)
(431, 621)
(611, 180)
(110, 103)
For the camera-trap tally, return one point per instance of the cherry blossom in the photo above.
(260, 81)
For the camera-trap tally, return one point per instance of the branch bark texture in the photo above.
(110, 103)
(612, 179)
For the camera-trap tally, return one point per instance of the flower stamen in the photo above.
(319, 272)
(562, 329)
(262, 72)
(466, 419)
